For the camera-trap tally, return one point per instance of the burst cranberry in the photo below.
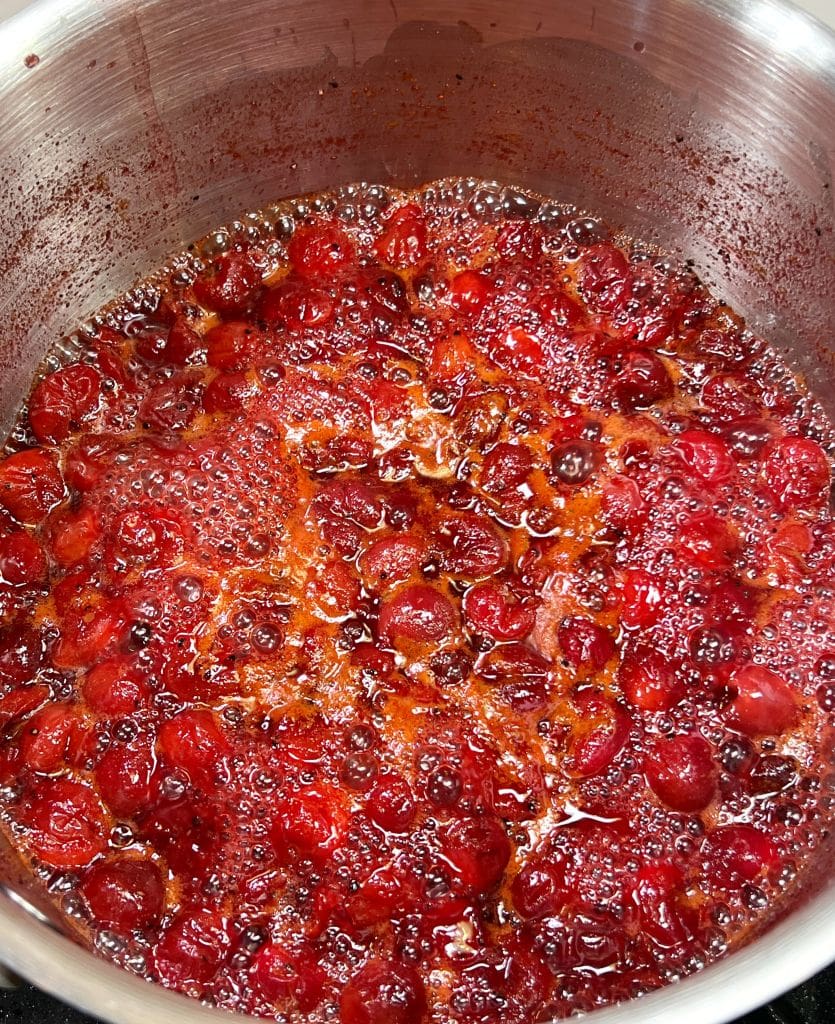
(21, 655)
(518, 351)
(228, 285)
(124, 894)
(281, 974)
(642, 381)
(765, 704)
(193, 741)
(505, 466)
(232, 345)
(392, 558)
(62, 401)
(19, 703)
(585, 644)
(648, 680)
(74, 536)
(384, 992)
(796, 472)
(604, 278)
(539, 889)
(521, 674)
(706, 455)
(479, 851)
(682, 773)
(171, 405)
(45, 738)
(470, 291)
(22, 559)
(183, 345)
(623, 505)
(313, 822)
(642, 597)
(65, 822)
(739, 853)
(320, 251)
(391, 803)
(471, 547)
(30, 485)
(491, 608)
(228, 392)
(193, 948)
(417, 613)
(403, 241)
(295, 305)
(602, 732)
(657, 894)
(115, 688)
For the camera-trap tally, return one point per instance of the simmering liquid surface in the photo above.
(417, 607)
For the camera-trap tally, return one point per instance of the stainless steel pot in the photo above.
(129, 127)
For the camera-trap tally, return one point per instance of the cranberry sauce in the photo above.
(417, 607)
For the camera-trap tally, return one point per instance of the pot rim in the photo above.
(787, 954)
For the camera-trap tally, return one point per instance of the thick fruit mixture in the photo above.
(417, 607)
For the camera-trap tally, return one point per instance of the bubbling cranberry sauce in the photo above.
(417, 607)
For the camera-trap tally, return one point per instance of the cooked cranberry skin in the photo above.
(796, 472)
(62, 401)
(193, 741)
(193, 948)
(584, 643)
(739, 853)
(642, 381)
(540, 889)
(682, 773)
(22, 560)
(384, 992)
(391, 803)
(312, 822)
(66, 827)
(418, 613)
(479, 851)
(764, 705)
(320, 251)
(648, 680)
(30, 484)
(124, 894)
(492, 609)
(228, 284)
(505, 466)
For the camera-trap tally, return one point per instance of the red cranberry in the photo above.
(602, 733)
(392, 558)
(124, 777)
(656, 894)
(282, 974)
(739, 853)
(193, 741)
(320, 250)
(418, 613)
(30, 485)
(539, 890)
(313, 822)
(62, 401)
(648, 680)
(471, 547)
(228, 285)
(391, 803)
(470, 291)
(796, 472)
(479, 850)
(231, 346)
(65, 822)
(124, 894)
(491, 609)
(642, 381)
(22, 560)
(115, 688)
(682, 773)
(604, 278)
(384, 992)
(764, 705)
(706, 455)
(193, 948)
(295, 305)
(506, 466)
(585, 644)
(403, 241)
